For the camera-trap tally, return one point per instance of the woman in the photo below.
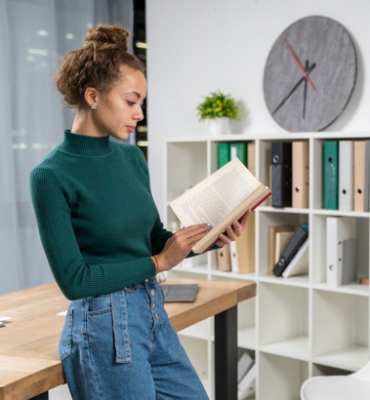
(103, 237)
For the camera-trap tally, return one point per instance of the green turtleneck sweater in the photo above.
(97, 219)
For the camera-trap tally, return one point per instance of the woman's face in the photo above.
(119, 110)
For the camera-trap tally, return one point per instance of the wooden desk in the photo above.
(29, 361)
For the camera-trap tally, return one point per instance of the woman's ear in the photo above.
(91, 97)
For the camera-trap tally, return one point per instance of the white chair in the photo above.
(355, 386)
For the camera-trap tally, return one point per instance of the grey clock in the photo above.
(310, 74)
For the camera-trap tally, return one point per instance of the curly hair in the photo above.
(97, 64)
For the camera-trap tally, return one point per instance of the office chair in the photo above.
(355, 386)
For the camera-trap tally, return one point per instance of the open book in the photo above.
(219, 200)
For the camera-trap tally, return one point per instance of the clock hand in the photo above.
(296, 59)
(305, 91)
(309, 70)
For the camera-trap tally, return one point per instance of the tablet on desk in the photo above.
(181, 293)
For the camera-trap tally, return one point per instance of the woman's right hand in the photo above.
(179, 245)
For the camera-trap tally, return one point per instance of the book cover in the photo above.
(239, 150)
(299, 263)
(281, 241)
(272, 231)
(245, 362)
(299, 237)
(223, 154)
(246, 386)
(219, 200)
(330, 178)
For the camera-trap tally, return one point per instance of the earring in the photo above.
(94, 106)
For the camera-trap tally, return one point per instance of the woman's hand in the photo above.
(179, 245)
(234, 231)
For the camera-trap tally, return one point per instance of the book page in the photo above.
(211, 200)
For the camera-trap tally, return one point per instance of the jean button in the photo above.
(156, 316)
(152, 292)
(154, 305)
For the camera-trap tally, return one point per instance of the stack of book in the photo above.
(288, 250)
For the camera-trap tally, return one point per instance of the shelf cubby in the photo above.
(340, 329)
(279, 378)
(285, 331)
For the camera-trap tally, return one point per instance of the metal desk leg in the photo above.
(226, 354)
(42, 396)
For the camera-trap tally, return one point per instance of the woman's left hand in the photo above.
(233, 231)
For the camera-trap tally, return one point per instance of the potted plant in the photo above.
(217, 109)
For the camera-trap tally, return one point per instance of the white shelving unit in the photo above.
(296, 327)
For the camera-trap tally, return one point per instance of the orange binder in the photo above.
(300, 178)
(359, 158)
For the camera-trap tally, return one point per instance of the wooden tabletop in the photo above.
(29, 361)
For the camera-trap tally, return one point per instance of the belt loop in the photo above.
(120, 326)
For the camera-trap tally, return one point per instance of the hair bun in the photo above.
(109, 34)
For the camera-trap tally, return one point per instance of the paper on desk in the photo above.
(62, 314)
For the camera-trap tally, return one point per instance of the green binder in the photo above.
(240, 150)
(330, 174)
(223, 154)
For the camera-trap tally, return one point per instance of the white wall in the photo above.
(199, 46)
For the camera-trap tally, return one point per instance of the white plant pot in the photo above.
(219, 126)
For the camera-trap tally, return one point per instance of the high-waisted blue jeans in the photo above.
(121, 346)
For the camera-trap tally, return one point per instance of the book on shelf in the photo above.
(219, 200)
(338, 230)
(242, 250)
(296, 242)
(299, 263)
(245, 362)
(223, 154)
(239, 150)
(281, 241)
(246, 387)
(272, 231)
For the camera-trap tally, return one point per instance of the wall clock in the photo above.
(310, 74)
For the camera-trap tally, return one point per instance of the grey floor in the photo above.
(60, 393)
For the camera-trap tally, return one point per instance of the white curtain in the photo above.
(34, 37)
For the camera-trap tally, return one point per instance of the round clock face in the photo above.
(310, 74)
